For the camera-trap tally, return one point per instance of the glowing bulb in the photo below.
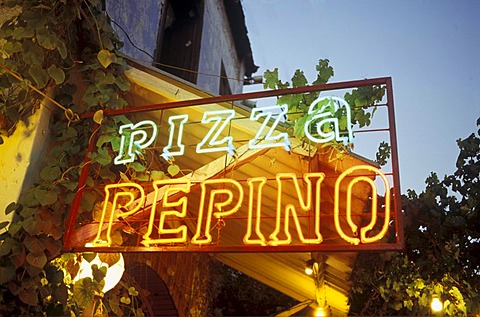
(309, 266)
(319, 312)
(436, 304)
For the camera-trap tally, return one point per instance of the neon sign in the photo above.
(323, 121)
(221, 202)
(265, 191)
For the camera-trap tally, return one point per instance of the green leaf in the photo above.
(122, 83)
(105, 57)
(32, 53)
(137, 167)
(89, 256)
(103, 157)
(46, 197)
(11, 207)
(50, 173)
(57, 74)
(299, 79)
(271, 79)
(157, 175)
(4, 224)
(173, 169)
(39, 74)
(46, 38)
(62, 49)
(21, 32)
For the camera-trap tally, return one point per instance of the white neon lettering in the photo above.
(268, 113)
(214, 143)
(181, 148)
(326, 125)
(137, 140)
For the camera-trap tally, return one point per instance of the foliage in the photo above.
(442, 243)
(362, 100)
(53, 50)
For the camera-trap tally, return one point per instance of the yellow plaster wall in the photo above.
(20, 156)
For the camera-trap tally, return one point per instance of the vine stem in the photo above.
(69, 114)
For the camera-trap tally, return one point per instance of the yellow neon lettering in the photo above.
(174, 186)
(323, 118)
(290, 210)
(363, 231)
(202, 235)
(181, 148)
(213, 135)
(137, 140)
(255, 199)
(268, 113)
(115, 206)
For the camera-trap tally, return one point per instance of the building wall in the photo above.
(218, 48)
(141, 21)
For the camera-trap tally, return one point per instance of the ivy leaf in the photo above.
(271, 79)
(325, 72)
(50, 173)
(84, 291)
(103, 158)
(4, 224)
(32, 53)
(57, 74)
(11, 207)
(34, 245)
(105, 57)
(46, 38)
(122, 83)
(109, 258)
(137, 167)
(173, 169)
(157, 175)
(298, 128)
(37, 259)
(39, 74)
(29, 296)
(46, 197)
(299, 79)
(62, 49)
(98, 117)
(89, 256)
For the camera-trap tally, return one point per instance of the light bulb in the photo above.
(319, 312)
(436, 304)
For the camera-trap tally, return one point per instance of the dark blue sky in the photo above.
(430, 48)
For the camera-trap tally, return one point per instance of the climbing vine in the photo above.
(50, 53)
(363, 102)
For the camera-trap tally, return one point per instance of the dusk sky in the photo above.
(430, 48)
